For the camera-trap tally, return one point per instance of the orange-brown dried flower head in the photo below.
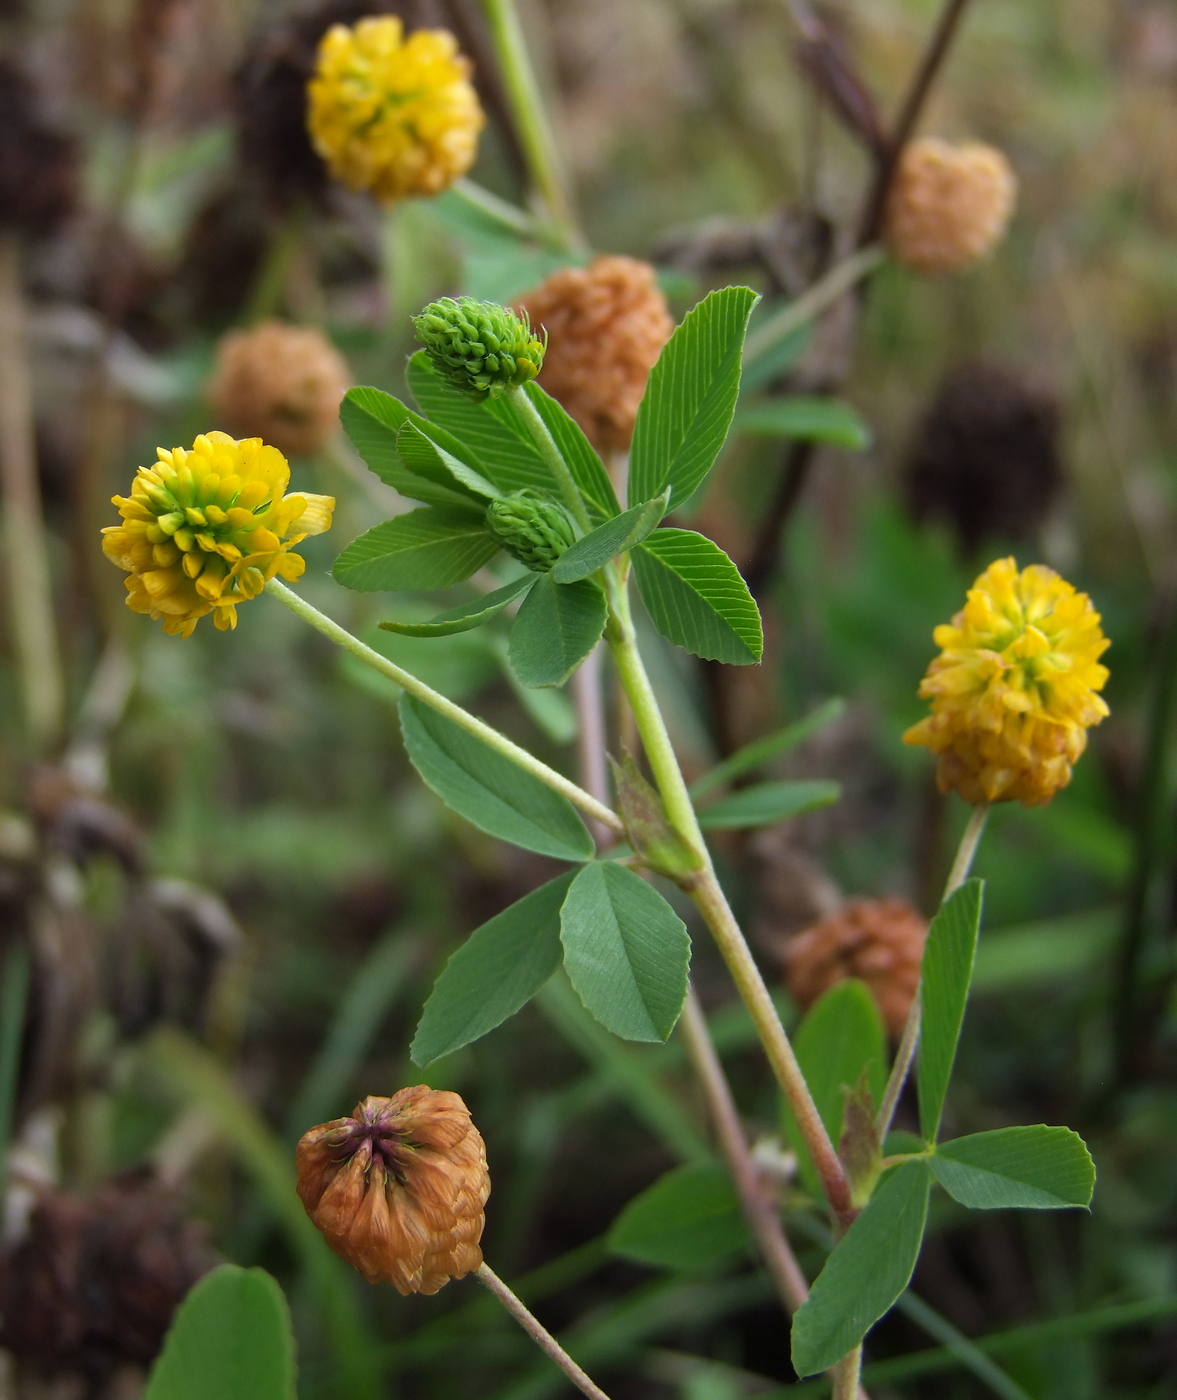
(280, 383)
(398, 1189)
(880, 941)
(606, 325)
(949, 205)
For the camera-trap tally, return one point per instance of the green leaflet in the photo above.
(1032, 1168)
(944, 989)
(423, 456)
(685, 414)
(555, 629)
(614, 537)
(500, 454)
(760, 751)
(489, 790)
(765, 803)
(806, 419)
(373, 420)
(586, 467)
(689, 1219)
(626, 951)
(230, 1339)
(497, 970)
(868, 1269)
(697, 598)
(433, 547)
(466, 617)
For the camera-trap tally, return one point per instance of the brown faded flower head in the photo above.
(606, 325)
(949, 205)
(880, 941)
(280, 383)
(398, 1189)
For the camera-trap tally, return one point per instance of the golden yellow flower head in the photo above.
(206, 528)
(1013, 690)
(393, 115)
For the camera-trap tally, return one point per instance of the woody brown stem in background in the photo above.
(29, 579)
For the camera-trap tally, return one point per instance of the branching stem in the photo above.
(553, 457)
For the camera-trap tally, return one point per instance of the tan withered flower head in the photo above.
(280, 383)
(949, 205)
(880, 941)
(398, 1189)
(606, 325)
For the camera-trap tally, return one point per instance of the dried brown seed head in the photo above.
(606, 325)
(949, 205)
(398, 1189)
(880, 941)
(280, 383)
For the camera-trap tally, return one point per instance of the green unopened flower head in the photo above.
(532, 528)
(479, 347)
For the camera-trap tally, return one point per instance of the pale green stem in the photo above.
(845, 1375)
(909, 1041)
(30, 588)
(501, 211)
(553, 457)
(463, 718)
(538, 1333)
(704, 888)
(812, 302)
(527, 107)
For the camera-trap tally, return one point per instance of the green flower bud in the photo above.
(532, 528)
(478, 346)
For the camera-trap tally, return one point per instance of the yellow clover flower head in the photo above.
(1014, 689)
(205, 529)
(394, 115)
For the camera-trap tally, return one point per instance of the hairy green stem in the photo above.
(30, 587)
(527, 108)
(909, 1041)
(845, 1375)
(812, 302)
(704, 888)
(463, 718)
(553, 458)
(538, 1333)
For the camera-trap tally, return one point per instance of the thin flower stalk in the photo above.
(427, 695)
(539, 1333)
(961, 865)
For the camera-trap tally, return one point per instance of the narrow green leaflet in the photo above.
(840, 1036)
(805, 419)
(684, 417)
(468, 616)
(588, 471)
(230, 1339)
(489, 790)
(1030, 1168)
(627, 952)
(766, 803)
(423, 456)
(501, 455)
(612, 538)
(498, 969)
(433, 547)
(868, 1269)
(697, 598)
(761, 751)
(944, 990)
(373, 420)
(689, 1219)
(555, 629)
